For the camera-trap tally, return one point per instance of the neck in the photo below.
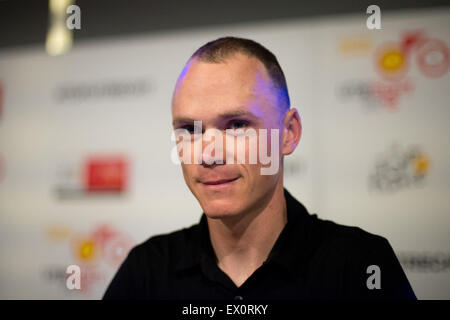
(243, 242)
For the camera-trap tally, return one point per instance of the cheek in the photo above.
(252, 173)
(187, 172)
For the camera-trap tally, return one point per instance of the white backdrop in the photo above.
(374, 151)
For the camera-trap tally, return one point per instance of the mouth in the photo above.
(218, 184)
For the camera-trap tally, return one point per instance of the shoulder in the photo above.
(346, 241)
(366, 262)
(318, 233)
(356, 251)
(167, 247)
(149, 265)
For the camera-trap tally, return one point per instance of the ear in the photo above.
(292, 131)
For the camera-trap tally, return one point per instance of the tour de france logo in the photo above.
(400, 168)
(104, 247)
(105, 243)
(394, 59)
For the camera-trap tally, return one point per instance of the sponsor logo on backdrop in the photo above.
(105, 174)
(393, 61)
(429, 262)
(355, 45)
(96, 252)
(375, 92)
(112, 89)
(400, 168)
(96, 176)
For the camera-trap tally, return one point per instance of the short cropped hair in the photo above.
(221, 49)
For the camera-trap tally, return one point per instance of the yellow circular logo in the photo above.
(421, 164)
(392, 61)
(86, 250)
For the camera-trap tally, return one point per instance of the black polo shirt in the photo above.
(311, 259)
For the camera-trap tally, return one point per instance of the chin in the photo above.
(217, 209)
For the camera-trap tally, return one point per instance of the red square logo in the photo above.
(106, 174)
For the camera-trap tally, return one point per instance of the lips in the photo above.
(218, 181)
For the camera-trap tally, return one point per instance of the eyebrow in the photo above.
(222, 116)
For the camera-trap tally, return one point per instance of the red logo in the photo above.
(389, 93)
(105, 174)
(432, 56)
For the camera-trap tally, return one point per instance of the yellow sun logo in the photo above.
(392, 61)
(421, 164)
(86, 250)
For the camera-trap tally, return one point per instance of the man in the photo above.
(254, 240)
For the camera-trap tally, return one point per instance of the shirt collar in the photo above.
(289, 250)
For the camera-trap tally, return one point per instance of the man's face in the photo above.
(234, 94)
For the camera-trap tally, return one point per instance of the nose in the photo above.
(213, 153)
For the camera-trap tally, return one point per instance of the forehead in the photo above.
(206, 89)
